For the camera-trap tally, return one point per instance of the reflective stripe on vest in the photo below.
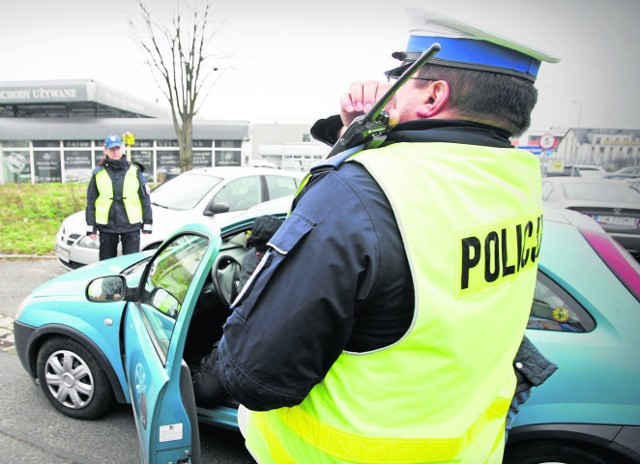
(349, 447)
(470, 220)
(131, 200)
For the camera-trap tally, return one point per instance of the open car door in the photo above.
(155, 329)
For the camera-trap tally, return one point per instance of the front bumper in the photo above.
(72, 256)
(22, 336)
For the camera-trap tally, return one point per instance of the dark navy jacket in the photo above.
(118, 221)
(336, 278)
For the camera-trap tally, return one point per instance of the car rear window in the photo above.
(555, 309)
(183, 192)
(602, 192)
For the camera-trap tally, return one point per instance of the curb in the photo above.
(7, 256)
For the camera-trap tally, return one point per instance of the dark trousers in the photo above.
(109, 244)
(207, 387)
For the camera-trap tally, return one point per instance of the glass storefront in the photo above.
(74, 160)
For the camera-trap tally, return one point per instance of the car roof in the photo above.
(581, 180)
(228, 172)
(585, 166)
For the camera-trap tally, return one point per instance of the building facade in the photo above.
(612, 149)
(51, 150)
(288, 145)
(54, 131)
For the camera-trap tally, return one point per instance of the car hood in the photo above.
(74, 283)
(75, 223)
(165, 222)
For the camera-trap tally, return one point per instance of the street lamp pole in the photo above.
(579, 110)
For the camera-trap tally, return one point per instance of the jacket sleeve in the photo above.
(327, 130)
(90, 211)
(296, 313)
(531, 366)
(145, 201)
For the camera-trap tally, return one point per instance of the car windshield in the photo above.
(183, 192)
(615, 192)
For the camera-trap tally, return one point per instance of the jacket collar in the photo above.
(441, 130)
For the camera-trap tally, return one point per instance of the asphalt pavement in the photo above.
(18, 276)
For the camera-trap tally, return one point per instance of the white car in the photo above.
(199, 195)
(578, 170)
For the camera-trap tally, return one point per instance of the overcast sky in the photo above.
(293, 59)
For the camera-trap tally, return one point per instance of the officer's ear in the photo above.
(435, 99)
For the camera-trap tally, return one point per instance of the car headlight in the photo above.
(88, 242)
(23, 304)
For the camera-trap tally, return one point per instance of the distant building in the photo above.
(610, 148)
(53, 131)
(287, 145)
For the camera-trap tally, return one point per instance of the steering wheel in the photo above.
(225, 271)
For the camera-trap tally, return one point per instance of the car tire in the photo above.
(549, 451)
(72, 379)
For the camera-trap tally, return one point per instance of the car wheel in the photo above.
(72, 379)
(548, 451)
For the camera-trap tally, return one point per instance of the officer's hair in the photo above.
(488, 98)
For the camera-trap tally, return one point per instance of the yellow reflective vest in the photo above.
(470, 218)
(130, 197)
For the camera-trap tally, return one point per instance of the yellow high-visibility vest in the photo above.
(470, 218)
(132, 204)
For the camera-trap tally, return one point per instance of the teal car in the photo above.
(133, 328)
(585, 317)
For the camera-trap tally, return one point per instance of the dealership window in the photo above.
(202, 159)
(16, 166)
(42, 161)
(77, 165)
(48, 166)
(228, 153)
(14, 144)
(145, 159)
(76, 143)
(228, 144)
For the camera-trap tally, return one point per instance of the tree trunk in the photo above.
(185, 143)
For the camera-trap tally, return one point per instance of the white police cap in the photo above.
(464, 46)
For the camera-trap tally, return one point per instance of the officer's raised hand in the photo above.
(361, 98)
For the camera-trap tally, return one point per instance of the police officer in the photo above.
(382, 324)
(118, 205)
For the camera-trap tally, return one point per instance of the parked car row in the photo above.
(630, 172)
(613, 203)
(131, 328)
(200, 195)
(578, 170)
(593, 170)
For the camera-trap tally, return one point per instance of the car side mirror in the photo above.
(110, 288)
(165, 302)
(216, 208)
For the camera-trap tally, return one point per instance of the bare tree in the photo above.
(179, 58)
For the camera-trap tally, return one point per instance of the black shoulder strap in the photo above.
(335, 161)
(320, 169)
